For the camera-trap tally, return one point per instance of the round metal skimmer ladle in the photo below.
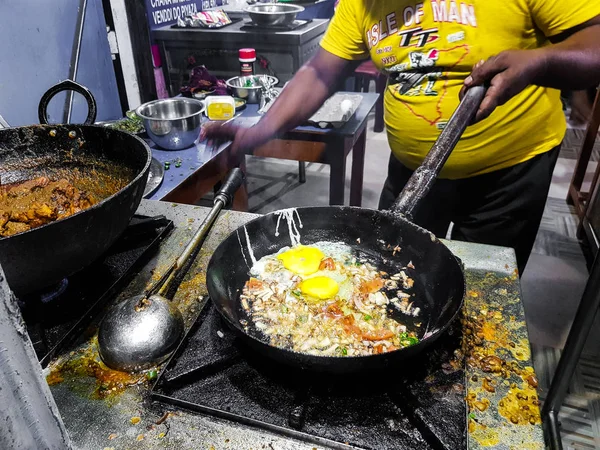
(144, 330)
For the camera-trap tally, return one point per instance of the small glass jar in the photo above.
(247, 59)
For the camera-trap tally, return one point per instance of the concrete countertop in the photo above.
(128, 420)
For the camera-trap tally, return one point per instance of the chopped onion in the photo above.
(291, 321)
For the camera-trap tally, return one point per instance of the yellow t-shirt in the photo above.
(429, 47)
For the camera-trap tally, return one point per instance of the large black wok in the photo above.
(109, 164)
(439, 281)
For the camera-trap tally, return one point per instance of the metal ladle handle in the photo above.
(223, 198)
(422, 179)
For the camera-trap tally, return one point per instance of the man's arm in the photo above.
(300, 99)
(305, 93)
(571, 62)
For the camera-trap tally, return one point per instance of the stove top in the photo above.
(418, 406)
(58, 316)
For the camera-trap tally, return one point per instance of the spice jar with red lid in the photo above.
(247, 59)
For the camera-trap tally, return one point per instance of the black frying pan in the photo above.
(439, 280)
(111, 165)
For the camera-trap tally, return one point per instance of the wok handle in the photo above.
(234, 181)
(422, 179)
(224, 196)
(67, 85)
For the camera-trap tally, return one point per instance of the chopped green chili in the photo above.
(342, 351)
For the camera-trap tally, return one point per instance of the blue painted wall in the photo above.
(35, 53)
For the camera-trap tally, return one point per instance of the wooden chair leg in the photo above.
(581, 200)
(586, 149)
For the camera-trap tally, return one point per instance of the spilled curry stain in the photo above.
(502, 401)
(520, 406)
(86, 362)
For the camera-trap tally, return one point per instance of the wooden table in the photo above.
(201, 169)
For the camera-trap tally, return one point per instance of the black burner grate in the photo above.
(54, 323)
(417, 407)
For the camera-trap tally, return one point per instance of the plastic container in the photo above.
(247, 60)
(220, 107)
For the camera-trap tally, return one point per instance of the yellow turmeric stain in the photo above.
(486, 437)
(521, 351)
(488, 329)
(520, 407)
(527, 446)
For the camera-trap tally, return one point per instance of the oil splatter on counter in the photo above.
(502, 399)
(104, 409)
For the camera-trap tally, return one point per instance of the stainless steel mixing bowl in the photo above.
(270, 14)
(173, 123)
(252, 93)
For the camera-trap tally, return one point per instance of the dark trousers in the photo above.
(503, 208)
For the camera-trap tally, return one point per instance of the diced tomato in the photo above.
(349, 326)
(348, 320)
(327, 264)
(334, 311)
(367, 287)
(255, 283)
(378, 335)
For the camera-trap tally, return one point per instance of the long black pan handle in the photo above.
(68, 85)
(224, 196)
(423, 178)
(230, 186)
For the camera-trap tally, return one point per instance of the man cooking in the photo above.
(495, 183)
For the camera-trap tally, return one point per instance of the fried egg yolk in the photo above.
(302, 260)
(322, 288)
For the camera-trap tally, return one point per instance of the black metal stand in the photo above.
(582, 325)
(302, 172)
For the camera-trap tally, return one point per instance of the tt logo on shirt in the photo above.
(422, 68)
(413, 34)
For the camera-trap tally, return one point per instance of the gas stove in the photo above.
(58, 316)
(417, 406)
(214, 393)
